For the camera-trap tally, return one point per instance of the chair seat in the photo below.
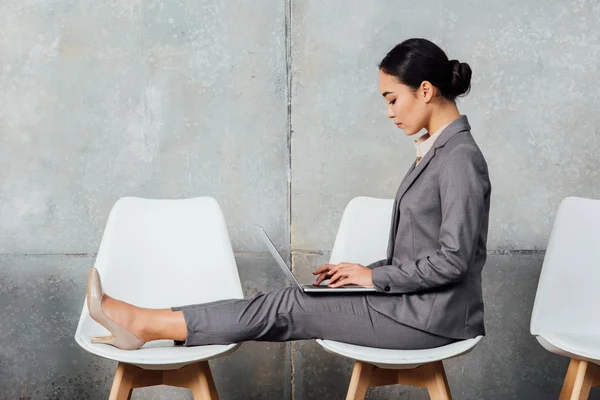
(573, 345)
(398, 359)
(157, 355)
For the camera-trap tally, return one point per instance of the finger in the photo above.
(333, 278)
(321, 278)
(335, 269)
(345, 275)
(341, 282)
(321, 269)
(338, 275)
(333, 275)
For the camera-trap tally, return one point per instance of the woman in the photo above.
(428, 289)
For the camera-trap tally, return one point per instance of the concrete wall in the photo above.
(192, 98)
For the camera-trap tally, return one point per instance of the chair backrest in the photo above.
(162, 253)
(568, 292)
(362, 237)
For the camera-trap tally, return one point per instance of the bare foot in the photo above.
(126, 315)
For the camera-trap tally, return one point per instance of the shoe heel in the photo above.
(103, 339)
(120, 337)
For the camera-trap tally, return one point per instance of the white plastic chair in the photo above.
(565, 318)
(362, 238)
(158, 254)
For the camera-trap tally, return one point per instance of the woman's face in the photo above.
(406, 107)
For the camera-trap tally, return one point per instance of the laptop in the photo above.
(322, 288)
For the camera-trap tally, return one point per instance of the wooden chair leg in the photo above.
(431, 376)
(437, 382)
(203, 385)
(567, 387)
(122, 383)
(196, 377)
(581, 377)
(360, 381)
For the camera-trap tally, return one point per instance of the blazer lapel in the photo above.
(459, 125)
(395, 215)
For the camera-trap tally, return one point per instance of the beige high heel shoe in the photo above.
(120, 337)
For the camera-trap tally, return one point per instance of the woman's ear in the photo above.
(427, 92)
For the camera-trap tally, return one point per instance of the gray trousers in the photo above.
(290, 314)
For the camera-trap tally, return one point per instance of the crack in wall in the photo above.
(288, 69)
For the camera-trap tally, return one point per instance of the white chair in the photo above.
(362, 238)
(158, 254)
(565, 318)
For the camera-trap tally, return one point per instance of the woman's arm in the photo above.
(464, 184)
(377, 264)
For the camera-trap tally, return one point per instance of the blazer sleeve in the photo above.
(377, 264)
(464, 183)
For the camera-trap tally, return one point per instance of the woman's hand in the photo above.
(344, 274)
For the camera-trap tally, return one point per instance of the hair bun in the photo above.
(461, 77)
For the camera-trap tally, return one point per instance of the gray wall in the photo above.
(212, 98)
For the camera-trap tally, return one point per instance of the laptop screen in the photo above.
(280, 261)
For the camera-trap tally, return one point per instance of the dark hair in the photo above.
(416, 60)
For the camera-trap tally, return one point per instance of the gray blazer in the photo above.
(437, 244)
